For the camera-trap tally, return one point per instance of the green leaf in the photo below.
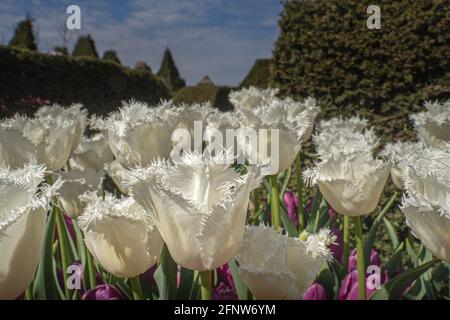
(166, 276)
(44, 285)
(285, 183)
(289, 226)
(241, 288)
(391, 232)
(187, 282)
(370, 239)
(395, 261)
(395, 287)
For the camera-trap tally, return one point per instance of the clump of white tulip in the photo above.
(120, 234)
(427, 201)
(24, 202)
(199, 205)
(47, 138)
(276, 266)
(433, 125)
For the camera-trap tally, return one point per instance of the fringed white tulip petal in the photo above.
(75, 184)
(431, 227)
(23, 207)
(433, 125)
(15, 149)
(120, 235)
(252, 97)
(92, 153)
(119, 175)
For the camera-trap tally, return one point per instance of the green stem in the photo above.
(275, 202)
(298, 169)
(257, 200)
(63, 248)
(91, 270)
(346, 254)
(136, 288)
(205, 284)
(360, 255)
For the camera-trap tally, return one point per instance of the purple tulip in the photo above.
(103, 292)
(308, 205)
(353, 259)
(337, 248)
(315, 292)
(331, 212)
(291, 202)
(349, 286)
(148, 276)
(226, 289)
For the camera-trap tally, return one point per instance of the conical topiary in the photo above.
(169, 73)
(23, 36)
(85, 47)
(111, 55)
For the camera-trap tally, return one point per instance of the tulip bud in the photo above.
(315, 292)
(349, 286)
(290, 200)
(103, 292)
(353, 259)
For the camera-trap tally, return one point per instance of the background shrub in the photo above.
(325, 50)
(217, 96)
(98, 84)
(23, 35)
(111, 55)
(169, 73)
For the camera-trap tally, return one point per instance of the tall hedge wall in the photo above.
(325, 50)
(216, 95)
(100, 85)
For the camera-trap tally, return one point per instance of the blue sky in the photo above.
(219, 38)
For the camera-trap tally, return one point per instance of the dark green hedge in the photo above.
(217, 96)
(325, 50)
(259, 75)
(100, 85)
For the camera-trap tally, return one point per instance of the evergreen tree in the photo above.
(23, 36)
(111, 55)
(85, 47)
(169, 72)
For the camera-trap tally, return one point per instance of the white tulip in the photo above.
(427, 204)
(23, 211)
(350, 179)
(252, 97)
(138, 134)
(15, 149)
(75, 183)
(92, 153)
(199, 205)
(398, 152)
(286, 129)
(48, 138)
(73, 113)
(119, 175)
(275, 266)
(120, 235)
(433, 125)
(333, 135)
